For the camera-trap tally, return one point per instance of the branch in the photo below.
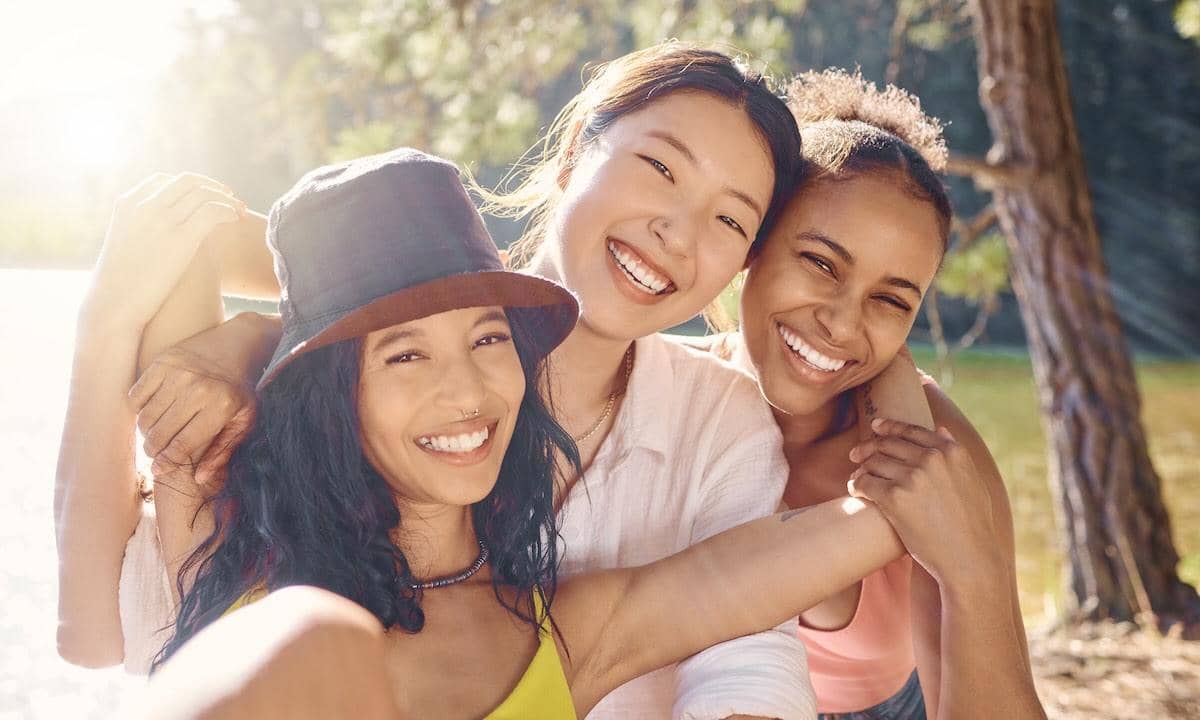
(971, 230)
(988, 175)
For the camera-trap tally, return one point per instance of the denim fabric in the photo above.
(907, 704)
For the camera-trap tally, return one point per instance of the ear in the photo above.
(570, 154)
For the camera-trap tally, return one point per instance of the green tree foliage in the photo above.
(264, 91)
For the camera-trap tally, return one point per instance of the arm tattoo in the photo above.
(785, 516)
(869, 406)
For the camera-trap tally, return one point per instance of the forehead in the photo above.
(721, 135)
(449, 323)
(881, 223)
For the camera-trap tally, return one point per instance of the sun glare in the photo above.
(77, 76)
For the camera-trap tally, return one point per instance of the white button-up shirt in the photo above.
(693, 451)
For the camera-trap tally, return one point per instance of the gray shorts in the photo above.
(907, 704)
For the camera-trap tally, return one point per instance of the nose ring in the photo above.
(467, 415)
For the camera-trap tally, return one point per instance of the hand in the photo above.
(927, 486)
(196, 401)
(155, 231)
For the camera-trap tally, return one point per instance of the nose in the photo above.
(840, 319)
(460, 386)
(674, 232)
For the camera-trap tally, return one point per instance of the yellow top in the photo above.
(541, 693)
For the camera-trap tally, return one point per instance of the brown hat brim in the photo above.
(548, 310)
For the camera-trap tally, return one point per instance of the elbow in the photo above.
(87, 650)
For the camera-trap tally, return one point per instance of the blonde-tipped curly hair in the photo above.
(850, 127)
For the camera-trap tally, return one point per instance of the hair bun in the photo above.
(836, 94)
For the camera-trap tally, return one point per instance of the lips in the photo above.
(813, 359)
(640, 272)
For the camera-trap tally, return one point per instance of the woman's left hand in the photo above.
(927, 486)
(155, 231)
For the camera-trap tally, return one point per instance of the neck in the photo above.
(437, 540)
(585, 369)
(799, 431)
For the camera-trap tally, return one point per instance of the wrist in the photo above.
(975, 588)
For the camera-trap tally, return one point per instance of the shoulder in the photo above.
(698, 367)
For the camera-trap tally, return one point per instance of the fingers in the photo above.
(868, 486)
(912, 433)
(894, 446)
(145, 389)
(145, 188)
(886, 467)
(210, 470)
(194, 439)
(170, 193)
(164, 430)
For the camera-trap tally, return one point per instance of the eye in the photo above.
(663, 169)
(493, 339)
(733, 224)
(821, 263)
(894, 302)
(404, 357)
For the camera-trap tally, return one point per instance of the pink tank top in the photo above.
(870, 659)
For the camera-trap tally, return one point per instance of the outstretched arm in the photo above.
(97, 499)
(623, 623)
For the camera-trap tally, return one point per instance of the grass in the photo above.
(996, 391)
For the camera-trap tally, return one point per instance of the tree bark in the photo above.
(1120, 558)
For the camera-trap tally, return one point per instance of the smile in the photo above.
(810, 355)
(455, 443)
(640, 275)
(464, 448)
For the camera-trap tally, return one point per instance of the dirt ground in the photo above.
(1115, 671)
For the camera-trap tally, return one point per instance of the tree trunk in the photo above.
(1120, 556)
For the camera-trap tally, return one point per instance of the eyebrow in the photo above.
(687, 153)
(844, 254)
(393, 336)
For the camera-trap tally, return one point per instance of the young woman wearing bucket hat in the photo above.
(402, 459)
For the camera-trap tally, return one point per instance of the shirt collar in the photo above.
(645, 412)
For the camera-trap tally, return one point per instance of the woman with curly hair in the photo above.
(826, 307)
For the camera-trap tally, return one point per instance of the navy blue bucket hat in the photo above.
(382, 240)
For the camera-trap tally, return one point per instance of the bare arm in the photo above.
(97, 502)
(984, 664)
(944, 495)
(246, 266)
(623, 623)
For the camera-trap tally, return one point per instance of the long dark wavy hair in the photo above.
(303, 505)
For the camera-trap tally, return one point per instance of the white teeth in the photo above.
(809, 353)
(645, 279)
(464, 443)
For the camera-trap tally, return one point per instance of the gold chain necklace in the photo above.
(612, 399)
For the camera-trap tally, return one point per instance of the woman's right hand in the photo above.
(155, 231)
(196, 401)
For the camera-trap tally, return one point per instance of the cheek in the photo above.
(381, 425)
(506, 379)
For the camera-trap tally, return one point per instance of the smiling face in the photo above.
(831, 298)
(420, 387)
(659, 212)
